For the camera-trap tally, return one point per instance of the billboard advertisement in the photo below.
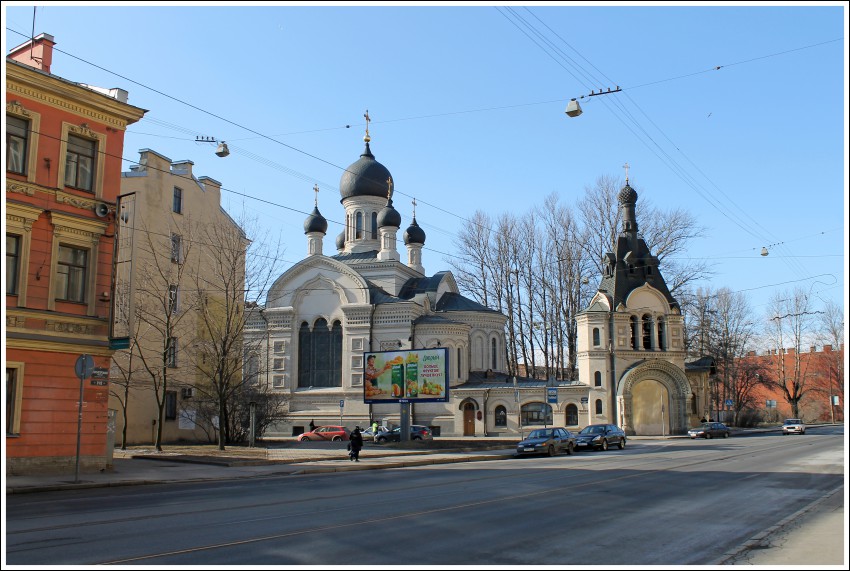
(416, 375)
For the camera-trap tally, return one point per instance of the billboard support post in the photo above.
(404, 413)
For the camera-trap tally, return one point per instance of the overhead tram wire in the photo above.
(304, 261)
(261, 135)
(674, 167)
(767, 232)
(681, 173)
(279, 142)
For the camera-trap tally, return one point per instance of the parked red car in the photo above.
(322, 433)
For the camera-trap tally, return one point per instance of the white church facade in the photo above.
(327, 312)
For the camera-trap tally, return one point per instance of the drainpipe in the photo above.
(613, 362)
(486, 398)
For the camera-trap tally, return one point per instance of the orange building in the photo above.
(64, 142)
(821, 376)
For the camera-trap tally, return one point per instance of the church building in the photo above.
(326, 312)
(631, 343)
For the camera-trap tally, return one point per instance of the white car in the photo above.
(793, 426)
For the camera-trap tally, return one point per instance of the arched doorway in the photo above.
(469, 419)
(650, 408)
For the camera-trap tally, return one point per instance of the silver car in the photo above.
(793, 426)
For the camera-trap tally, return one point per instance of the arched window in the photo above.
(458, 364)
(320, 355)
(597, 379)
(358, 226)
(571, 415)
(374, 225)
(348, 226)
(536, 413)
(647, 332)
(493, 354)
(634, 323)
(598, 406)
(501, 416)
(596, 340)
(661, 345)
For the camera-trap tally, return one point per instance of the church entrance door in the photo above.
(469, 419)
(650, 407)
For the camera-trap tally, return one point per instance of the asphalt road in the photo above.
(676, 502)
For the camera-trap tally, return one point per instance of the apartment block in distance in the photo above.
(186, 287)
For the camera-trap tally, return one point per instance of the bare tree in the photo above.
(734, 328)
(162, 303)
(831, 334)
(666, 233)
(237, 274)
(789, 323)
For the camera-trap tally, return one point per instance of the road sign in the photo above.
(552, 393)
(583, 400)
(100, 373)
(341, 403)
(729, 402)
(84, 367)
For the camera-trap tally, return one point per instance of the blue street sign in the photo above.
(84, 367)
(341, 403)
(729, 402)
(552, 392)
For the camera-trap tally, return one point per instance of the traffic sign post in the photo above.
(83, 368)
(341, 405)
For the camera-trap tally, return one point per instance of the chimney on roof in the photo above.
(812, 349)
(37, 53)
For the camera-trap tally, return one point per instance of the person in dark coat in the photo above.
(312, 426)
(355, 444)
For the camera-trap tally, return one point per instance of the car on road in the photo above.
(331, 433)
(369, 436)
(417, 432)
(793, 426)
(549, 441)
(600, 437)
(710, 430)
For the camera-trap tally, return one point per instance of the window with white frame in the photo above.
(173, 299)
(71, 270)
(177, 205)
(171, 353)
(80, 163)
(13, 263)
(14, 391)
(17, 138)
(176, 248)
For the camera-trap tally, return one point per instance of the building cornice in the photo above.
(62, 94)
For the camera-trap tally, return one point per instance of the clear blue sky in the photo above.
(468, 113)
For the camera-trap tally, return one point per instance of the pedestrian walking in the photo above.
(312, 426)
(355, 443)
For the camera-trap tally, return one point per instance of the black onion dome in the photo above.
(315, 222)
(414, 234)
(389, 216)
(364, 177)
(340, 240)
(628, 195)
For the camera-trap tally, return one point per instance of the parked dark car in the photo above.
(417, 432)
(549, 441)
(710, 430)
(600, 437)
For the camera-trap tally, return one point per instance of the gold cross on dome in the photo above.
(366, 115)
(389, 187)
(316, 189)
(414, 207)
(626, 166)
